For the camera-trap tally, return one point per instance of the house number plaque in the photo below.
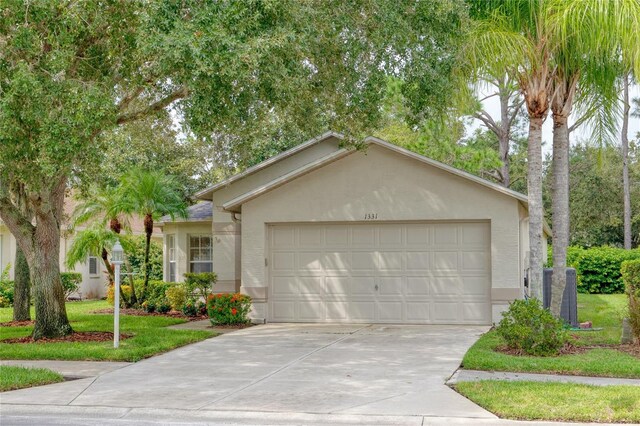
(370, 216)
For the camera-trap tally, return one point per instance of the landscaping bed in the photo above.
(142, 313)
(77, 336)
(593, 353)
(147, 336)
(555, 401)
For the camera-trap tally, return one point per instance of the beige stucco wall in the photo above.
(396, 188)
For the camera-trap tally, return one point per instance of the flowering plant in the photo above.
(228, 308)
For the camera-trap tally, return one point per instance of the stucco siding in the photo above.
(393, 187)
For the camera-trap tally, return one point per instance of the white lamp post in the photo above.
(117, 257)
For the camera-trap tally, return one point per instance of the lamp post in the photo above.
(117, 257)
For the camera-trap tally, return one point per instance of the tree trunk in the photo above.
(504, 136)
(41, 246)
(560, 206)
(21, 288)
(625, 163)
(536, 217)
(148, 230)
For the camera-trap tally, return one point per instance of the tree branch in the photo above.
(513, 116)
(487, 120)
(154, 107)
(11, 214)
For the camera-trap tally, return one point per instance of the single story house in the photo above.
(321, 233)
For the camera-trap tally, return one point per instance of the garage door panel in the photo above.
(446, 312)
(311, 236)
(390, 311)
(336, 261)
(445, 261)
(363, 286)
(418, 286)
(395, 272)
(474, 261)
(283, 237)
(363, 236)
(391, 286)
(389, 260)
(390, 236)
(364, 261)
(338, 286)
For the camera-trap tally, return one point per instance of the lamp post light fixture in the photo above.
(117, 258)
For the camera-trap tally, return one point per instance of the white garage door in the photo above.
(423, 273)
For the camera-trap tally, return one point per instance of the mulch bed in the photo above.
(141, 313)
(17, 323)
(232, 327)
(570, 349)
(78, 336)
(567, 349)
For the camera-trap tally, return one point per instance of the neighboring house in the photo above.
(320, 233)
(94, 273)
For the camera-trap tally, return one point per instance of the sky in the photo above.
(492, 106)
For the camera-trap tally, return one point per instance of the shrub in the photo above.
(156, 290)
(190, 309)
(163, 307)
(148, 306)
(631, 275)
(201, 307)
(177, 296)
(598, 269)
(6, 288)
(70, 282)
(526, 326)
(228, 309)
(135, 255)
(126, 292)
(200, 284)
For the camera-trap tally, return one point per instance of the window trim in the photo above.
(97, 272)
(192, 262)
(171, 253)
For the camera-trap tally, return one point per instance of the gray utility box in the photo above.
(569, 310)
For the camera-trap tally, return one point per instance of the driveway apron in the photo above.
(303, 368)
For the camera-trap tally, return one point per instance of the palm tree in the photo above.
(102, 205)
(150, 194)
(95, 239)
(586, 39)
(509, 37)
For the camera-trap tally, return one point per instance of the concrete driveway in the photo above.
(286, 368)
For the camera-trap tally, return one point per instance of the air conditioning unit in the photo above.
(569, 310)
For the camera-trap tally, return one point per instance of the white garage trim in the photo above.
(382, 272)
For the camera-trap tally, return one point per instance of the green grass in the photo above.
(12, 378)
(555, 401)
(150, 336)
(603, 310)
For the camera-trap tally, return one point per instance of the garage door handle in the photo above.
(376, 287)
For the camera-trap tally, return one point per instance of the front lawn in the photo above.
(12, 378)
(555, 401)
(149, 336)
(604, 311)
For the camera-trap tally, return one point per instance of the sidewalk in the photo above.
(475, 376)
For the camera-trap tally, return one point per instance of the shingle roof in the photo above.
(203, 211)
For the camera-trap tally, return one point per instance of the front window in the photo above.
(200, 253)
(171, 255)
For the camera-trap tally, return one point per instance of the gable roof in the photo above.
(205, 194)
(234, 204)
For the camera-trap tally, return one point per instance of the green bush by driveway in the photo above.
(604, 310)
(150, 336)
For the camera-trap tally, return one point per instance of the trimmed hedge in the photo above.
(598, 268)
(631, 276)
